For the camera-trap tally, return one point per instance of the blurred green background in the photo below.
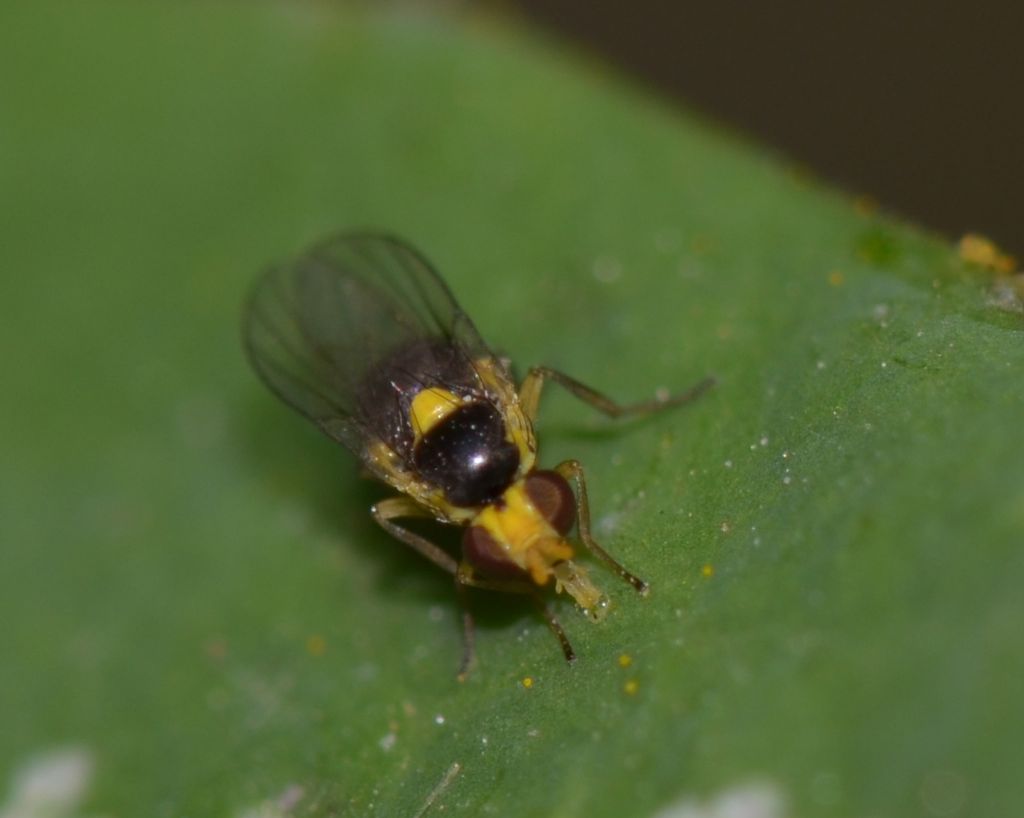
(199, 617)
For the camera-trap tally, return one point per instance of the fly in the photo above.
(362, 337)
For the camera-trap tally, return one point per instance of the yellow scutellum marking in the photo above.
(316, 645)
(631, 687)
(430, 407)
(527, 682)
(625, 660)
(976, 249)
(836, 278)
(707, 570)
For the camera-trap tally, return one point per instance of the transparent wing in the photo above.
(343, 332)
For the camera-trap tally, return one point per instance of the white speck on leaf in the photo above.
(753, 799)
(607, 269)
(50, 785)
(280, 806)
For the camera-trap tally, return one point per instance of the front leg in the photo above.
(571, 469)
(387, 510)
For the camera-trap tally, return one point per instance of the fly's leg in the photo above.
(556, 628)
(466, 575)
(387, 510)
(572, 470)
(468, 632)
(533, 383)
(529, 397)
(467, 578)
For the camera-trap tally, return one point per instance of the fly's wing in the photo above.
(348, 329)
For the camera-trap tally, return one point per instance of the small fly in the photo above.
(360, 335)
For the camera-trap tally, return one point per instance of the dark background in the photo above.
(916, 104)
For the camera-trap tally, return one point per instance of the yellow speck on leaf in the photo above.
(528, 682)
(316, 645)
(836, 278)
(216, 648)
(707, 570)
(701, 244)
(625, 660)
(631, 687)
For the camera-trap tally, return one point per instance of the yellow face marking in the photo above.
(529, 541)
(522, 532)
(430, 407)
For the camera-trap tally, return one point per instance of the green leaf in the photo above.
(192, 592)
